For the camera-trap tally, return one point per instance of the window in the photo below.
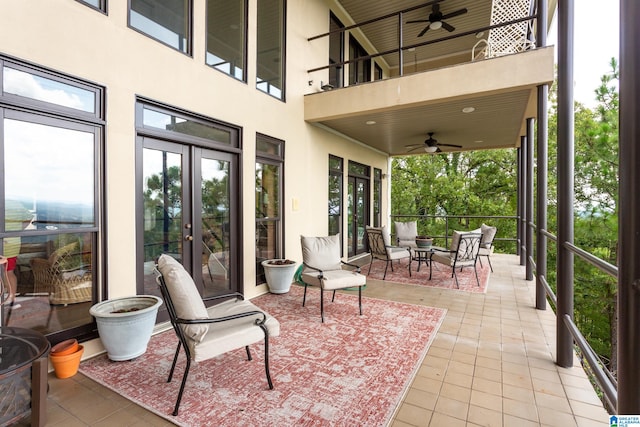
(50, 187)
(359, 71)
(167, 21)
(377, 197)
(335, 195)
(336, 52)
(271, 36)
(96, 4)
(269, 179)
(226, 36)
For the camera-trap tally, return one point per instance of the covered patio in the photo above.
(491, 363)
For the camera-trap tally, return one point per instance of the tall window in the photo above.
(168, 21)
(335, 194)
(336, 52)
(271, 36)
(50, 189)
(359, 71)
(269, 179)
(226, 36)
(377, 197)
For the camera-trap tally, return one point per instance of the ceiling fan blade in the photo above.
(415, 148)
(456, 13)
(448, 27)
(423, 31)
(417, 21)
(413, 145)
(450, 145)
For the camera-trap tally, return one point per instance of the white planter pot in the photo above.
(125, 324)
(279, 277)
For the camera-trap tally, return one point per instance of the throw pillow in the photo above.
(321, 252)
(185, 296)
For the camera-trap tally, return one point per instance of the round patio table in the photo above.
(422, 255)
(23, 375)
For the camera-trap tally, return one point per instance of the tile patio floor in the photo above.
(491, 364)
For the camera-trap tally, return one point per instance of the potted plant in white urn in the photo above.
(279, 274)
(125, 324)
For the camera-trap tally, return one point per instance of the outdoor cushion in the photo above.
(185, 296)
(488, 234)
(322, 253)
(406, 233)
(335, 279)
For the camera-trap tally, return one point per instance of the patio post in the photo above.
(542, 168)
(518, 199)
(629, 211)
(564, 339)
(529, 201)
(522, 197)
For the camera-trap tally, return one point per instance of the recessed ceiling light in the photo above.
(478, 141)
(411, 49)
(370, 122)
(468, 110)
(479, 34)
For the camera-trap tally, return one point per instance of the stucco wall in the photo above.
(71, 38)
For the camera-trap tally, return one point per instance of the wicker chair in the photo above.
(63, 276)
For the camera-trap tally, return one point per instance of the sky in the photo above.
(593, 47)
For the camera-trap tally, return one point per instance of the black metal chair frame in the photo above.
(464, 252)
(377, 247)
(320, 278)
(176, 322)
(487, 255)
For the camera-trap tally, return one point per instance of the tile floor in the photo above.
(491, 364)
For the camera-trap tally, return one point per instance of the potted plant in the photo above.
(279, 274)
(424, 241)
(125, 324)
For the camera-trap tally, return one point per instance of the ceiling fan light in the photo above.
(430, 149)
(436, 25)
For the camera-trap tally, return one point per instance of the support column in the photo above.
(564, 340)
(522, 197)
(629, 212)
(529, 200)
(541, 168)
(518, 199)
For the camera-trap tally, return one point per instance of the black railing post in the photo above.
(542, 168)
(629, 212)
(522, 194)
(529, 200)
(518, 198)
(564, 340)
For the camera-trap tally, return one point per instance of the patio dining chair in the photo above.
(381, 249)
(323, 268)
(464, 253)
(486, 245)
(205, 333)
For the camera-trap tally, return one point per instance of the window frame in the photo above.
(338, 173)
(283, 54)
(245, 5)
(102, 5)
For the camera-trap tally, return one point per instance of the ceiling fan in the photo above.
(430, 145)
(436, 19)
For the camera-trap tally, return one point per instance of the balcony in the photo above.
(491, 363)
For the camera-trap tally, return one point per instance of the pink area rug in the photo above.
(350, 371)
(441, 277)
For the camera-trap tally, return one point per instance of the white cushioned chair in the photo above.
(380, 248)
(406, 233)
(323, 268)
(209, 332)
(465, 254)
(486, 245)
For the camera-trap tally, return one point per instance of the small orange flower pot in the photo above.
(65, 347)
(67, 365)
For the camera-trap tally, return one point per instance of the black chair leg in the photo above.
(322, 305)
(184, 382)
(175, 360)
(491, 266)
(248, 353)
(477, 279)
(266, 355)
(304, 296)
(385, 270)
(456, 276)
(360, 299)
